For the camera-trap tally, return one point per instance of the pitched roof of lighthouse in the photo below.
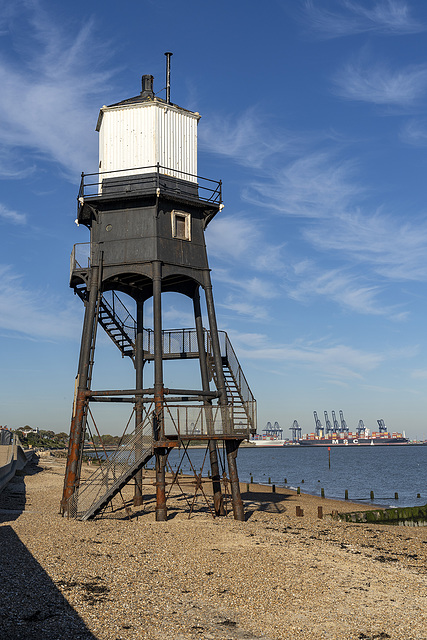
(146, 96)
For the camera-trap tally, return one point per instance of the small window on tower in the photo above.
(181, 225)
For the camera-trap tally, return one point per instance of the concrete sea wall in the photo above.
(12, 459)
(406, 516)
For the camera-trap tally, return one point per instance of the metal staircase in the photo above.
(113, 474)
(120, 326)
(239, 395)
(121, 330)
(115, 319)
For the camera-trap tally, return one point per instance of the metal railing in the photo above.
(6, 437)
(122, 316)
(114, 472)
(197, 421)
(137, 448)
(150, 178)
(241, 384)
(80, 257)
(176, 342)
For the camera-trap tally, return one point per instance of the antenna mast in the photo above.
(168, 55)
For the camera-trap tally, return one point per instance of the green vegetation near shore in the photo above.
(42, 439)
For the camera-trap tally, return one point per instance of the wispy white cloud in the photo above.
(9, 215)
(419, 374)
(320, 184)
(238, 238)
(347, 290)
(47, 90)
(13, 166)
(245, 138)
(379, 84)
(316, 185)
(175, 317)
(385, 17)
(323, 189)
(330, 360)
(414, 132)
(32, 313)
(244, 309)
(252, 286)
(395, 249)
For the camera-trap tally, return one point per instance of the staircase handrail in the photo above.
(107, 479)
(237, 371)
(242, 386)
(121, 314)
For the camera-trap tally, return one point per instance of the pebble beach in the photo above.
(276, 576)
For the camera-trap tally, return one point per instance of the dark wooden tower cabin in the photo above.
(147, 211)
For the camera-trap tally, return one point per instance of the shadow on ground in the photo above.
(13, 498)
(32, 607)
(256, 501)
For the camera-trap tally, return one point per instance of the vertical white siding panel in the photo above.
(133, 138)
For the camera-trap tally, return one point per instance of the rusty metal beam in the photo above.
(146, 392)
(204, 373)
(139, 369)
(231, 447)
(72, 471)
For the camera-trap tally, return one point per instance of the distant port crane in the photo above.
(329, 427)
(344, 427)
(360, 428)
(335, 422)
(318, 424)
(381, 425)
(273, 431)
(296, 431)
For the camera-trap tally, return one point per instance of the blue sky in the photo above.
(313, 115)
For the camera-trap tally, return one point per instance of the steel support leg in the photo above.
(139, 364)
(213, 454)
(161, 509)
(232, 446)
(72, 471)
(215, 341)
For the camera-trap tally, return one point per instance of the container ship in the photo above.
(350, 439)
(337, 434)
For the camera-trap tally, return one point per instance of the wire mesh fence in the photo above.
(113, 473)
(189, 421)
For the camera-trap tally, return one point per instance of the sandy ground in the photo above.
(274, 576)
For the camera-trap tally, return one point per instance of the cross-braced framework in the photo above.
(105, 489)
(176, 425)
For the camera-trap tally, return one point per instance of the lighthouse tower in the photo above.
(147, 211)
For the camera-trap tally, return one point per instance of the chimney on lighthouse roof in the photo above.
(147, 86)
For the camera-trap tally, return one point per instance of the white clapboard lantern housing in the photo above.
(142, 133)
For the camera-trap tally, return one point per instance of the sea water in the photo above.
(385, 470)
